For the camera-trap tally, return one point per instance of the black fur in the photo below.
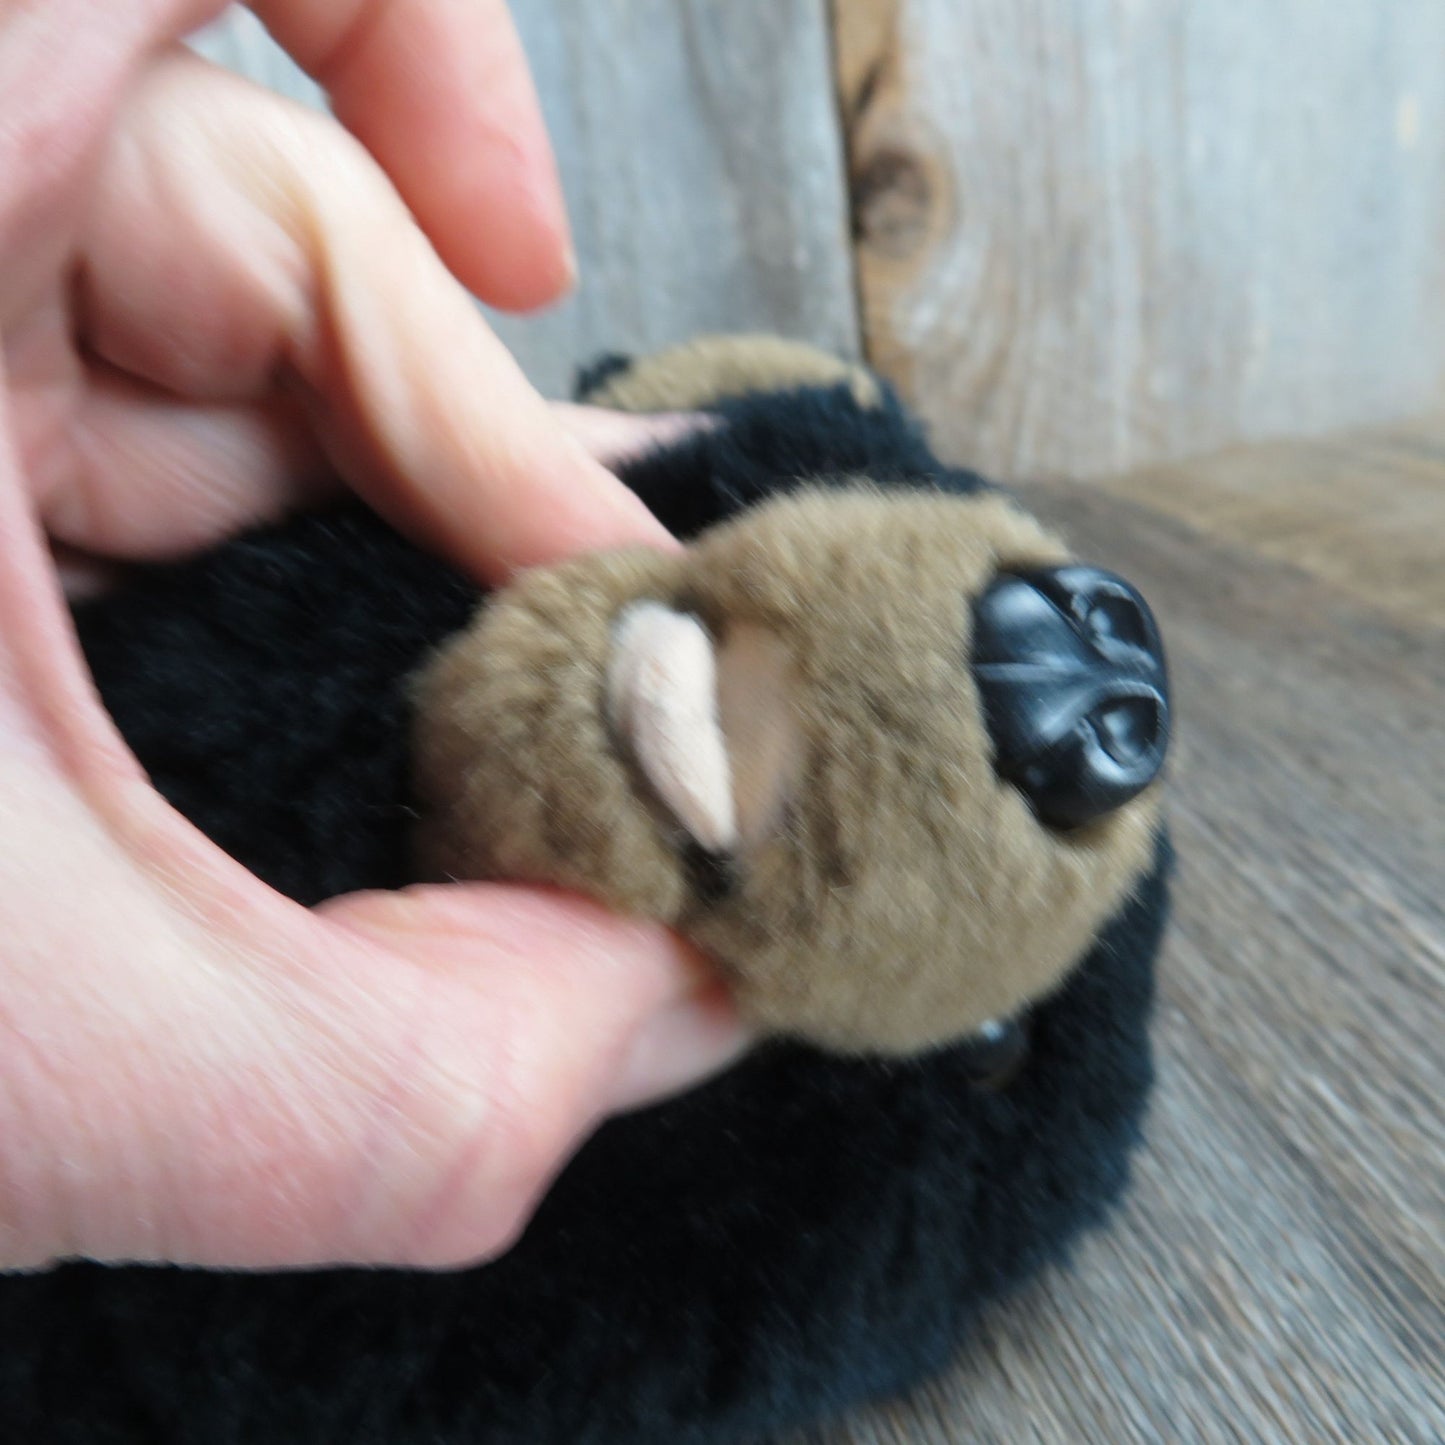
(801, 1234)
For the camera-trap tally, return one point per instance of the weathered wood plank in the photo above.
(1278, 1271)
(1094, 235)
(702, 159)
(1302, 502)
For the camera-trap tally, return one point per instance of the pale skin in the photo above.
(212, 304)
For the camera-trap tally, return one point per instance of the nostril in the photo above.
(1117, 619)
(1128, 730)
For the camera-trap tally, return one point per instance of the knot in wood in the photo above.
(893, 197)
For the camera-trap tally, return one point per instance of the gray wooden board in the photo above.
(700, 151)
(1098, 233)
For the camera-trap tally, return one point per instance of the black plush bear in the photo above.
(804, 1233)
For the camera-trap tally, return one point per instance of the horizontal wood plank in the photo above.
(1361, 510)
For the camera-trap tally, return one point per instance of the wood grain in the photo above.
(1278, 1271)
(1302, 503)
(1093, 235)
(702, 158)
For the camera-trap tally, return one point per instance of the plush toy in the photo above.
(875, 741)
(876, 750)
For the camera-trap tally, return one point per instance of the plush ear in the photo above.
(712, 369)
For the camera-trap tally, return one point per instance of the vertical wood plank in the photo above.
(702, 158)
(1099, 233)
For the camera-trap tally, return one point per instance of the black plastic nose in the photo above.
(1071, 671)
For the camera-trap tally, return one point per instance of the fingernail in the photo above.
(680, 1047)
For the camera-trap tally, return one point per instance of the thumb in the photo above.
(577, 1015)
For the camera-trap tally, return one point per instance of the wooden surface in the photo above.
(1086, 234)
(1278, 1270)
(702, 161)
(1093, 235)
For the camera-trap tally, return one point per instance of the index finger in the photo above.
(440, 93)
(238, 238)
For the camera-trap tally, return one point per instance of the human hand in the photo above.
(211, 301)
